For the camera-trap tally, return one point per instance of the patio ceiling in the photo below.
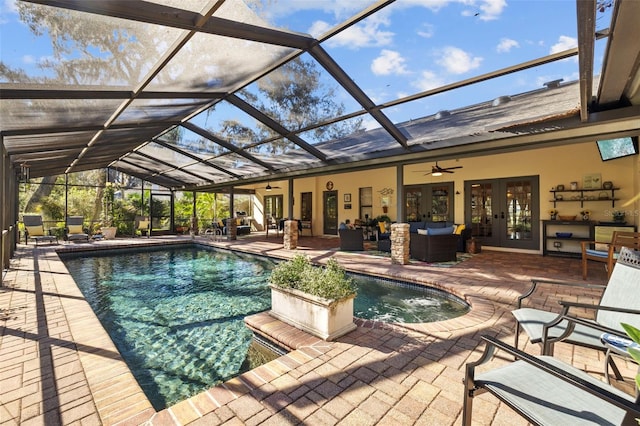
(209, 57)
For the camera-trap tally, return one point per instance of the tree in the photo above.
(294, 96)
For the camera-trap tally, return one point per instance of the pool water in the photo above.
(390, 301)
(177, 314)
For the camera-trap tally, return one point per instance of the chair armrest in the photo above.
(569, 304)
(535, 282)
(492, 344)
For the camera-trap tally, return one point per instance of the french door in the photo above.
(504, 212)
(429, 202)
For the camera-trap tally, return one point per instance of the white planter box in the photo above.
(326, 319)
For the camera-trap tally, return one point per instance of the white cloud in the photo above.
(389, 62)
(457, 61)
(564, 43)
(318, 28)
(491, 9)
(428, 80)
(370, 124)
(28, 59)
(506, 44)
(426, 31)
(369, 33)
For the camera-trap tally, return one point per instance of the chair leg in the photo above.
(608, 361)
(584, 268)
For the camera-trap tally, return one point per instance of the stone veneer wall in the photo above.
(232, 229)
(400, 243)
(290, 234)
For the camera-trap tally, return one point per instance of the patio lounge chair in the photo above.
(546, 391)
(142, 225)
(75, 232)
(619, 302)
(34, 229)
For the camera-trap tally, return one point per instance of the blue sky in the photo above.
(417, 45)
(409, 47)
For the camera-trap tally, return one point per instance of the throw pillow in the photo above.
(440, 231)
(422, 231)
(460, 228)
(75, 229)
(383, 227)
(35, 231)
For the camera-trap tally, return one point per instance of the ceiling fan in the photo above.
(269, 187)
(438, 171)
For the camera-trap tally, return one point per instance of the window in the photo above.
(366, 203)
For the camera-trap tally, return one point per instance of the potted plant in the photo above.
(618, 216)
(318, 300)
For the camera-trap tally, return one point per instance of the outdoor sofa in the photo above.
(437, 241)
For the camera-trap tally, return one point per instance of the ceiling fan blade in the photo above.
(451, 168)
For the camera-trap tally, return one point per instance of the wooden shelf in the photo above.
(582, 199)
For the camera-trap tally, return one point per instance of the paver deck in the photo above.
(59, 366)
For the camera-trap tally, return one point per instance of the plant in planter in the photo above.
(618, 216)
(312, 298)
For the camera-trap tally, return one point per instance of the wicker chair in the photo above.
(351, 239)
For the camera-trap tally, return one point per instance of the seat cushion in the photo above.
(35, 231)
(597, 253)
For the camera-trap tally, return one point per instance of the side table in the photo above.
(616, 345)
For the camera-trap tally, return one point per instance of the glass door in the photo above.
(330, 212)
(160, 213)
(429, 202)
(503, 212)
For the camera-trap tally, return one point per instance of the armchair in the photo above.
(434, 244)
(546, 391)
(351, 239)
(610, 254)
(619, 302)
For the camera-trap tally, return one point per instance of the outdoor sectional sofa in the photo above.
(436, 241)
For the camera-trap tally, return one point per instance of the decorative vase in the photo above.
(585, 217)
(553, 217)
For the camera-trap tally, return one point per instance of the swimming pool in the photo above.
(176, 314)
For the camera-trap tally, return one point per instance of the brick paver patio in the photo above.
(58, 366)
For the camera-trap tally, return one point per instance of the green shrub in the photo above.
(330, 282)
(634, 334)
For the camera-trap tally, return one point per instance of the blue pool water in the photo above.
(176, 314)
